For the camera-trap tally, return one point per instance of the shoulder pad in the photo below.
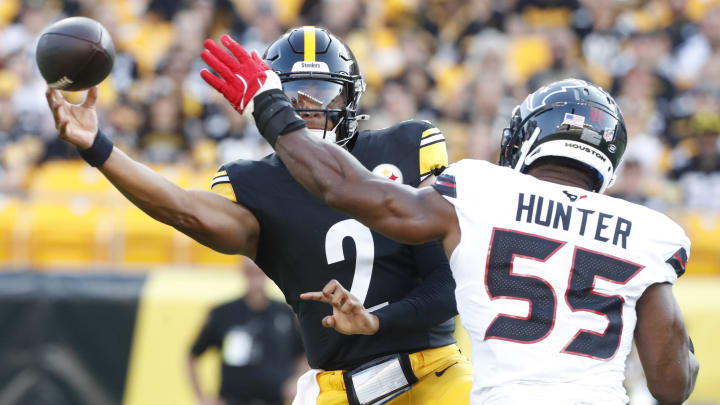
(433, 156)
(677, 237)
(221, 183)
(669, 243)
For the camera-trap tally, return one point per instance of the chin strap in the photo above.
(330, 135)
(324, 134)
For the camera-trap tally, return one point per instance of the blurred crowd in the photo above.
(460, 64)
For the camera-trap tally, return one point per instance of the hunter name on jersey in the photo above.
(304, 243)
(601, 226)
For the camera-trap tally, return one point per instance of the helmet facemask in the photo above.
(327, 101)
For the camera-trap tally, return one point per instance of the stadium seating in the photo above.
(68, 177)
(8, 218)
(67, 233)
(73, 217)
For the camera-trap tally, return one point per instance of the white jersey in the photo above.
(547, 281)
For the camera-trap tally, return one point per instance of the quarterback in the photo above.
(555, 280)
(393, 303)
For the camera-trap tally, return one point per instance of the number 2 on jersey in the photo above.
(362, 237)
(587, 265)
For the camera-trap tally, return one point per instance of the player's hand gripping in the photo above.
(349, 316)
(77, 124)
(242, 77)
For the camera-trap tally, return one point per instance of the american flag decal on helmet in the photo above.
(678, 261)
(445, 185)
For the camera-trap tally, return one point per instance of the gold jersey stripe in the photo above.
(218, 174)
(225, 190)
(309, 36)
(433, 156)
(430, 131)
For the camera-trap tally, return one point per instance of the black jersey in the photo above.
(304, 244)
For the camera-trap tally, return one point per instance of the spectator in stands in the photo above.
(262, 354)
(564, 59)
(693, 53)
(634, 184)
(699, 176)
(163, 139)
(125, 122)
(460, 64)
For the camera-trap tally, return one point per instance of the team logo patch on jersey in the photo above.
(678, 261)
(574, 120)
(572, 196)
(389, 171)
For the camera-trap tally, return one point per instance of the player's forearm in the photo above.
(685, 376)
(664, 350)
(694, 368)
(671, 379)
(149, 191)
(319, 166)
(675, 389)
(429, 304)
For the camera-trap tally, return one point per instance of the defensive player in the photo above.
(257, 209)
(553, 278)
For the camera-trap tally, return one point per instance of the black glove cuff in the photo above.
(99, 152)
(274, 115)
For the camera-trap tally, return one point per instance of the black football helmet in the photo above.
(570, 119)
(319, 74)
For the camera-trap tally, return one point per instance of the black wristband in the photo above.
(274, 115)
(99, 152)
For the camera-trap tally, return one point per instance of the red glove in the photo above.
(242, 77)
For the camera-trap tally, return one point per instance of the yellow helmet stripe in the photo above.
(309, 36)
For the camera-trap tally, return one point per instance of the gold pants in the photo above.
(444, 374)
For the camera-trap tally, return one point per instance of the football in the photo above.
(75, 54)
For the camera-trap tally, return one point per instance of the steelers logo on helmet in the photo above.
(321, 77)
(389, 171)
(570, 119)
